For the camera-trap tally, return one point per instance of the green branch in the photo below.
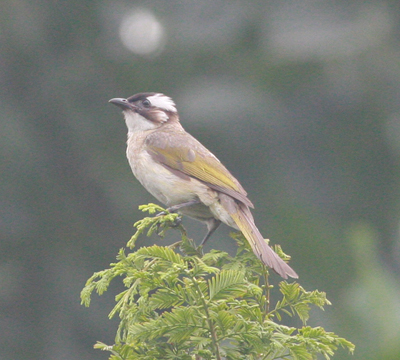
(215, 346)
(182, 304)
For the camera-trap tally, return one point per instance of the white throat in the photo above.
(136, 122)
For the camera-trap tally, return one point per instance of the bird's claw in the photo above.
(177, 221)
(172, 224)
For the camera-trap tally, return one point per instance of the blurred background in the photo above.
(298, 98)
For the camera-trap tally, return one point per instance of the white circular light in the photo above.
(141, 32)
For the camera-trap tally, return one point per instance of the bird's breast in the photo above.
(163, 184)
(170, 189)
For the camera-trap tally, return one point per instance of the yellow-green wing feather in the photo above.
(181, 152)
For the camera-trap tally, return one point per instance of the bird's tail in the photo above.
(245, 222)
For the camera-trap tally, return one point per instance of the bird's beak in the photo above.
(122, 103)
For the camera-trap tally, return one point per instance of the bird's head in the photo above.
(146, 111)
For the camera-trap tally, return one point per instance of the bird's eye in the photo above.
(146, 103)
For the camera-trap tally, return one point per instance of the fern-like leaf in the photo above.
(162, 252)
(227, 284)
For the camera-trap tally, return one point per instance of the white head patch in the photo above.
(163, 102)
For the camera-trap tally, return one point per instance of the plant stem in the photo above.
(209, 321)
(267, 292)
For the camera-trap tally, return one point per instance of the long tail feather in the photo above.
(244, 220)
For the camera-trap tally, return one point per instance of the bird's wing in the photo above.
(185, 156)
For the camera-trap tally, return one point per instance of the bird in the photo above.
(185, 176)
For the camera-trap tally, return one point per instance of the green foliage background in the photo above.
(299, 99)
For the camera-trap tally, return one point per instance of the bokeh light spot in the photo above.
(142, 33)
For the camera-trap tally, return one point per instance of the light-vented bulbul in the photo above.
(185, 176)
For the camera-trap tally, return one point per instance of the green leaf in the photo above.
(302, 311)
(225, 321)
(162, 252)
(227, 284)
(300, 352)
(290, 291)
(164, 299)
(190, 306)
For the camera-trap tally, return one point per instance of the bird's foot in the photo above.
(177, 222)
(175, 208)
